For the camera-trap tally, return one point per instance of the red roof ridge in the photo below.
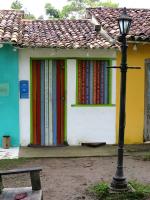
(12, 10)
(119, 8)
(57, 20)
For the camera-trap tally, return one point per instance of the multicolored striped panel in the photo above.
(48, 90)
(93, 82)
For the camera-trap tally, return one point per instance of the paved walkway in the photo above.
(10, 153)
(71, 151)
(80, 151)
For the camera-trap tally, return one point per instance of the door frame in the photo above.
(147, 61)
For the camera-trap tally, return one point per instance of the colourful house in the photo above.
(56, 89)
(137, 105)
(60, 60)
(9, 72)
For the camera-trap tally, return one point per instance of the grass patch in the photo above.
(137, 148)
(102, 192)
(12, 163)
(144, 157)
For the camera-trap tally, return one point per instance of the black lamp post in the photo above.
(119, 182)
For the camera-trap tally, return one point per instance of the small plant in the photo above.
(146, 157)
(140, 188)
(100, 189)
(103, 192)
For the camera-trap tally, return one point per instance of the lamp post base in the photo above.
(119, 184)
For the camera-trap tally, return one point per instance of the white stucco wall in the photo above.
(84, 124)
(88, 124)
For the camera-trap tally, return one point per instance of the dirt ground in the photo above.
(68, 178)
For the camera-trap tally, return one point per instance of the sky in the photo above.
(36, 7)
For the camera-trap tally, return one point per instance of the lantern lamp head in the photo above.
(124, 22)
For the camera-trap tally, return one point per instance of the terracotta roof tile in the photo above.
(10, 25)
(61, 34)
(71, 33)
(140, 27)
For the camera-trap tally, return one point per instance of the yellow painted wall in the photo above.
(134, 129)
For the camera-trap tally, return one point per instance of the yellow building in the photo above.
(135, 94)
(137, 128)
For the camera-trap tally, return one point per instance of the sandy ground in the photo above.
(68, 178)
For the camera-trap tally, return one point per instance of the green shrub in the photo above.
(103, 192)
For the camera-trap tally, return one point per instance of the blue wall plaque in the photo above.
(24, 89)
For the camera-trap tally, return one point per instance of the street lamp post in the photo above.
(119, 182)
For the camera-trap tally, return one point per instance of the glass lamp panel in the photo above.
(126, 26)
(121, 24)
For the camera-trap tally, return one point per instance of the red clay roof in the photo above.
(48, 33)
(71, 33)
(140, 27)
(10, 25)
(61, 34)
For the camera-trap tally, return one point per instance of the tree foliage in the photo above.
(17, 5)
(28, 15)
(76, 8)
(51, 11)
(107, 3)
(97, 3)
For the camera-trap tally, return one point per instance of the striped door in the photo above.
(48, 98)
